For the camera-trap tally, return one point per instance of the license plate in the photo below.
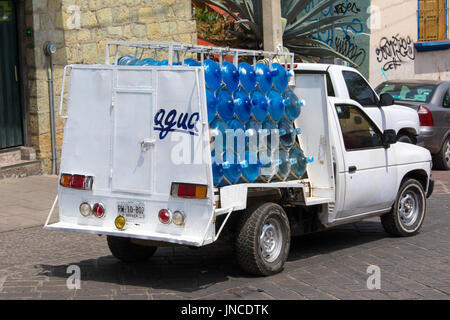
(131, 209)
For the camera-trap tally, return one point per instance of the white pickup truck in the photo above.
(121, 175)
(347, 83)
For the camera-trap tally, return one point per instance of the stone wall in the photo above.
(80, 28)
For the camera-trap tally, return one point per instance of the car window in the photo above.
(358, 130)
(358, 89)
(446, 102)
(408, 92)
(330, 89)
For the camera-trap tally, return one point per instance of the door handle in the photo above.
(352, 169)
(146, 144)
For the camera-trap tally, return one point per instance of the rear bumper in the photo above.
(430, 188)
(136, 234)
(431, 139)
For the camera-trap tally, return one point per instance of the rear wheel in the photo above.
(263, 240)
(442, 159)
(407, 215)
(126, 251)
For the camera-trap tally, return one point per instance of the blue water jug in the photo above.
(128, 61)
(268, 165)
(230, 76)
(217, 170)
(293, 105)
(264, 76)
(252, 130)
(242, 105)
(276, 105)
(238, 133)
(250, 167)
(284, 167)
(272, 132)
(218, 131)
(213, 76)
(287, 139)
(231, 167)
(211, 103)
(247, 76)
(192, 62)
(148, 62)
(225, 106)
(298, 162)
(260, 107)
(281, 80)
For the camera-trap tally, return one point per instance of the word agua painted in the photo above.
(166, 122)
(394, 51)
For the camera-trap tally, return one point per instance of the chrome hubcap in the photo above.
(408, 208)
(447, 153)
(270, 240)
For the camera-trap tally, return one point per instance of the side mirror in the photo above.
(389, 137)
(386, 100)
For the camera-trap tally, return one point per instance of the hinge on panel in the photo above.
(113, 101)
(111, 173)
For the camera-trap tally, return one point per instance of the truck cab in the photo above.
(347, 83)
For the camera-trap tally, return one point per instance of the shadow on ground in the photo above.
(187, 270)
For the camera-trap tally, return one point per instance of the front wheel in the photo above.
(263, 240)
(407, 215)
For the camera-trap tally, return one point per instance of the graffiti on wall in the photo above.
(353, 39)
(394, 51)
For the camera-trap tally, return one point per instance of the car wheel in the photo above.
(442, 159)
(127, 251)
(408, 212)
(263, 240)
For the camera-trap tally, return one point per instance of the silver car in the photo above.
(432, 102)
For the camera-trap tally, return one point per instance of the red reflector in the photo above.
(186, 190)
(425, 117)
(164, 216)
(98, 210)
(76, 181)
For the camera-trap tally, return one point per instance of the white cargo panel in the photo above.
(137, 130)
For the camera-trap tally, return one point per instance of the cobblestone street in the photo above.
(327, 265)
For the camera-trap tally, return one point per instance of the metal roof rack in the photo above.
(176, 52)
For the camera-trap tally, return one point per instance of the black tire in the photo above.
(402, 220)
(405, 138)
(442, 159)
(268, 219)
(126, 251)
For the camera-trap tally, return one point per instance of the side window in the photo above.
(358, 131)
(446, 102)
(330, 89)
(358, 89)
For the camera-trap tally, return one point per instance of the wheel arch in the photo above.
(419, 175)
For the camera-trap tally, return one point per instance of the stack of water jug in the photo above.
(251, 113)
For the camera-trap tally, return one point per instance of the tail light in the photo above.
(425, 117)
(185, 190)
(98, 210)
(76, 181)
(165, 216)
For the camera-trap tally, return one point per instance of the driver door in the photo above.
(369, 179)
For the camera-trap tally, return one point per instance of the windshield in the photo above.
(408, 92)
